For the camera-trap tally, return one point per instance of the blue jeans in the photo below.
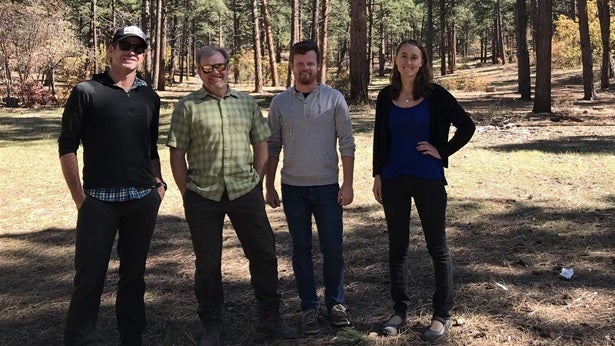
(300, 203)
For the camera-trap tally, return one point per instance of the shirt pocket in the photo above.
(240, 123)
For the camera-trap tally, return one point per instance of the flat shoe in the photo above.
(435, 336)
(391, 328)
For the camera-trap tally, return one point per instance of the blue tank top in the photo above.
(407, 127)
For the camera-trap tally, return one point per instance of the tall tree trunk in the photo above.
(147, 29)
(183, 44)
(452, 41)
(172, 39)
(258, 61)
(589, 92)
(314, 34)
(370, 38)
(495, 38)
(322, 40)
(94, 33)
(452, 48)
(543, 35)
(236, 28)
(192, 51)
(524, 86)
(295, 34)
(429, 32)
(162, 45)
(381, 45)
(534, 22)
(341, 54)
(156, 43)
(359, 78)
(443, 37)
(500, 32)
(269, 42)
(606, 70)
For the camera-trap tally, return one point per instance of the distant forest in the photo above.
(48, 46)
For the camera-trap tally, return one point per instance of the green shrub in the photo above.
(464, 81)
(340, 82)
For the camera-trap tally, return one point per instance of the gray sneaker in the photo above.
(338, 316)
(309, 321)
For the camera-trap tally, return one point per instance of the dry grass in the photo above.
(527, 197)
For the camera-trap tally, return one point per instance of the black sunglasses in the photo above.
(218, 67)
(126, 46)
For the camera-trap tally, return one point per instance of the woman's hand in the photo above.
(426, 148)
(377, 189)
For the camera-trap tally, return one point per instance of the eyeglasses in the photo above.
(126, 46)
(218, 67)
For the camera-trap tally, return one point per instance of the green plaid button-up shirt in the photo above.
(217, 135)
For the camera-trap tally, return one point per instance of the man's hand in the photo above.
(161, 192)
(272, 198)
(79, 199)
(345, 195)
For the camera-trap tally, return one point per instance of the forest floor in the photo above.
(529, 195)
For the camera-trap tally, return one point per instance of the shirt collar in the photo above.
(229, 92)
(137, 83)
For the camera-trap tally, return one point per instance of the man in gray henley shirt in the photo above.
(310, 121)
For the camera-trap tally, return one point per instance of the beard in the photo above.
(306, 79)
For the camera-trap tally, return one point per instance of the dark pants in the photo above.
(97, 224)
(300, 203)
(430, 198)
(247, 214)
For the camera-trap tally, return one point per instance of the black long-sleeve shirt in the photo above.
(118, 130)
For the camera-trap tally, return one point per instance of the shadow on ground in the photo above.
(515, 247)
(564, 144)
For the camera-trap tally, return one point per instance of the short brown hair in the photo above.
(302, 48)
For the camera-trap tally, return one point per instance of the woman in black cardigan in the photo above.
(411, 150)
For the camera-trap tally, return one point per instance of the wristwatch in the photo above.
(163, 184)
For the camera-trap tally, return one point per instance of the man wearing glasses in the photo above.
(218, 152)
(114, 117)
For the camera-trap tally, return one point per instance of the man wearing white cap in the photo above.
(115, 118)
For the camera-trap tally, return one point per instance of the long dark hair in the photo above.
(424, 77)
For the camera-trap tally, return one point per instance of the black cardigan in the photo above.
(444, 111)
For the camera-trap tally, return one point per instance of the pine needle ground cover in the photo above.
(529, 195)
